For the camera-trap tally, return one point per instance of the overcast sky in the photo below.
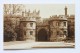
(47, 10)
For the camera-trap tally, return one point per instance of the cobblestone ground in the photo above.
(29, 44)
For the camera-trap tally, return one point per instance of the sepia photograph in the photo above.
(29, 26)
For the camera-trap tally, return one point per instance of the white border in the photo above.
(52, 50)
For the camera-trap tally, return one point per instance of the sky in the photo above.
(47, 10)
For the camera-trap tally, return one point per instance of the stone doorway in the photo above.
(42, 35)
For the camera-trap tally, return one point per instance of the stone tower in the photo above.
(58, 27)
(28, 27)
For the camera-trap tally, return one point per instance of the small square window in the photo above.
(64, 23)
(31, 24)
(65, 32)
(31, 32)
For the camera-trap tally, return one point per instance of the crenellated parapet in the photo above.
(28, 13)
(28, 19)
(60, 17)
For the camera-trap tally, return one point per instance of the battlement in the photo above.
(59, 17)
(72, 16)
(28, 19)
(30, 14)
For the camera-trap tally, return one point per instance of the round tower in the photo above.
(28, 28)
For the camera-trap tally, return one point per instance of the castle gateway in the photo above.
(42, 33)
(50, 29)
(31, 26)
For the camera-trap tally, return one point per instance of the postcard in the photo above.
(39, 26)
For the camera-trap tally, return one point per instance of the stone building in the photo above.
(58, 27)
(28, 25)
(23, 22)
(42, 30)
(71, 27)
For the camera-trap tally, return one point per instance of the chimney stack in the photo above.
(65, 11)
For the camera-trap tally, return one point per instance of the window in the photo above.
(31, 24)
(31, 32)
(64, 23)
(65, 32)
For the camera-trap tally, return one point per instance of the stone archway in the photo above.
(42, 35)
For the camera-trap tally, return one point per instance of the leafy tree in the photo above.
(9, 32)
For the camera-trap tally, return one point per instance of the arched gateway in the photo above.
(42, 35)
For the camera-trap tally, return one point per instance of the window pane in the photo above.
(31, 32)
(31, 24)
(64, 23)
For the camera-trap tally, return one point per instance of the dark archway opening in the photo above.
(42, 35)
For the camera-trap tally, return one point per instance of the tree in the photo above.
(10, 28)
(9, 32)
(13, 8)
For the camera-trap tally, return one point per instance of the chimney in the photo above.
(65, 11)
